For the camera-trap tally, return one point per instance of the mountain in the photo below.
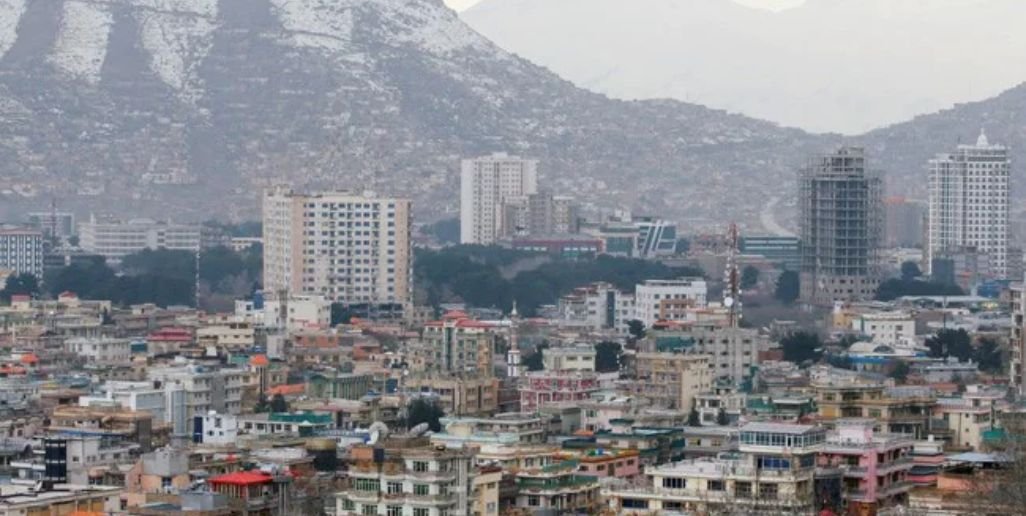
(825, 65)
(188, 108)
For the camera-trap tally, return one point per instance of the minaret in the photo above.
(513, 355)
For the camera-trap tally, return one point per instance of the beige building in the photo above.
(670, 380)
(460, 396)
(487, 184)
(349, 248)
(62, 499)
(572, 358)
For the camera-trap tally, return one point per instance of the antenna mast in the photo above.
(732, 290)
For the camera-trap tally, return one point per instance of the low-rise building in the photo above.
(579, 357)
(670, 380)
(874, 465)
(539, 388)
(558, 488)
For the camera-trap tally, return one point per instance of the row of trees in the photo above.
(158, 276)
(910, 283)
(495, 277)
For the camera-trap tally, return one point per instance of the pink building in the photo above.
(541, 387)
(927, 460)
(875, 465)
(609, 463)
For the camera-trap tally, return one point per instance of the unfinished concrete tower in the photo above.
(841, 218)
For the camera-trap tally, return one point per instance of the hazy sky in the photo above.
(765, 4)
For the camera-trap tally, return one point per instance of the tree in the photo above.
(788, 287)
(607, 356)
(535, 361)
(801, 346)
(423, 410)
(278, 403)
(19, 284)
(899, 372)
(951, 343)
(749, 277)
(721, 418)
(988, 355)
(694, 419)
(636, 328)
(262, 405)
(910, 271)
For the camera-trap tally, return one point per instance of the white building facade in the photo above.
(969, 203)
(115, 239)
(347, 248)
(654, 299)
(487, 184)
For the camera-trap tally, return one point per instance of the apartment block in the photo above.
(349, 248)
(668, 300)
(487, 185)
(113, 239)
(670, 380)
(21, 251)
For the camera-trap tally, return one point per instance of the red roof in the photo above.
(29, 358)
(287, 389)
(242, 478)
(67, 294)
(455, 314)
(259, 361)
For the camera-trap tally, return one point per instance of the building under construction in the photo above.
(841, 220)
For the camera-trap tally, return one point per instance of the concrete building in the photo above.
(840, 223)
(658, 300)
(874, 466)
(47, 223)
(964, 419)
(783, 252)
(1017, 338)
(103, 351)
(902, 410)
(297, 313)
(487, 184)
(774, 473)
(557, 489)
(539, 214)
(21, 251)
(599, 306)
(732, 351)
(969, 193)
(571, 358)
(348, 248)
(458, 345)
(458, 396)
(890, 328)
(406, 476)
(539, 388)
(669, 380)
(24, 500)
(904, 222)
(113, 239)
(193, 390)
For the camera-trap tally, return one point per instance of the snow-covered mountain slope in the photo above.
(825, 65)
(192, 106)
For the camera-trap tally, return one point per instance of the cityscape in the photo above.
(276, 292)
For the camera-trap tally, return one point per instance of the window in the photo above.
(421, 489)
(674, 483)
(394, 510)
(395, 488)
(743, 489)
(634, 503)
(348, 505)
(768, 491)
(533, 501)
(420, 466)
(716, 485)
(419, 511)
(370, 509)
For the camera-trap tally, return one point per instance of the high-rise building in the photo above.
(58, 224)
(969, 203)
(487, 184)
(115, 239)
(348, 248)
(840, 224)
(539, 214)
(21, 251)
(904, 220)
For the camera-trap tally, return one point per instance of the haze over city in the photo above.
(512, 257)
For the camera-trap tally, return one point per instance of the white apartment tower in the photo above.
(348, 248)
(969, 203)
(486, 185)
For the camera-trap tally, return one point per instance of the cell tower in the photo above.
(732, 279)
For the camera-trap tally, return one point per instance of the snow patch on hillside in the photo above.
(10, 15)
(177, 45)
(325, 24)
(82, 41)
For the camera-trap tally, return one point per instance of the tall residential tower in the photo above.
(969, 204)
(487, 184)
(840, 223)
(349, 248)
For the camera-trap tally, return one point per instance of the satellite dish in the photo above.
(728, 302)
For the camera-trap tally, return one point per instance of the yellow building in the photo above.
(670, 380)
(901, 410)
(460, 396)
